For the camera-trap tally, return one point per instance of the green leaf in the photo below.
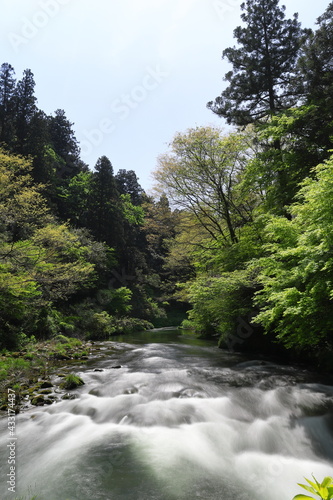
(311, 489)
(327, 481)
(302, 497)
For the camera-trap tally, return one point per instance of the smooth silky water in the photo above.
(180, 420)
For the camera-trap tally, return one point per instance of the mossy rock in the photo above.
(33, 389)
(38, 400)
(71, 382)
(46, 391)
(59, 356)
(45, 384)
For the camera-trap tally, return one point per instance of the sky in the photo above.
(129, 74)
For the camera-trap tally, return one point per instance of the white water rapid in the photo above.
(180, 420)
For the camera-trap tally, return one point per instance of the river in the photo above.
(179, 419)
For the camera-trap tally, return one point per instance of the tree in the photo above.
(127, 183)
(41, 263)
(75, 199)
(65, 145)
(25, 108)
(314, 84)
(262, 66)
(22, 207)
(159, 228)
(201, 175)
(105, 218)
(7, 87)
(296, 274)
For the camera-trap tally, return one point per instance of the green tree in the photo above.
(262, 66)
(75, 199)
(296, 274)
(314, 84)
(42, 263)
(65, 145)
(201, 174)
(127, 183)
(105, 217)
(7, 87)
(25, 108)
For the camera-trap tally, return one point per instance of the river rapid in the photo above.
(179, 420)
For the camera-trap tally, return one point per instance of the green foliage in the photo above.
(297, 273)
(323, 490)
(201, 175)
(71, 381)
(218, 302)
(128, 325)
(99, 325)
(10, 366)
(68, 342)
(132, 213)
(41, 262)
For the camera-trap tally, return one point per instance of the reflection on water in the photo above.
(179, 420)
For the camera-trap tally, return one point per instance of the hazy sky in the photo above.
(128, 73)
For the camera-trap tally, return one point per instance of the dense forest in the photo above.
(240, 233)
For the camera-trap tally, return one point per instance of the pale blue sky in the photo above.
(128, 73)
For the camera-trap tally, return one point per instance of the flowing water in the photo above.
(179, 420)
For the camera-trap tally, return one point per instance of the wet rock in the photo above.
(45, 384)
(116, 367)
(38, 400)
(69, 396)
(98, 370)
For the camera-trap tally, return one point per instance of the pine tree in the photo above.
(65, 145)
(127, 183)
(25, 108)
(7, 87)
(314, 84)
(105, 220)
(262, 66)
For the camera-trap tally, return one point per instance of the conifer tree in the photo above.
(25, 108)
(65, 145)
(7, 87)
(314, 84)
(105, 215)
(262, 65)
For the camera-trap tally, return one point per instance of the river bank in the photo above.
(42, 372)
